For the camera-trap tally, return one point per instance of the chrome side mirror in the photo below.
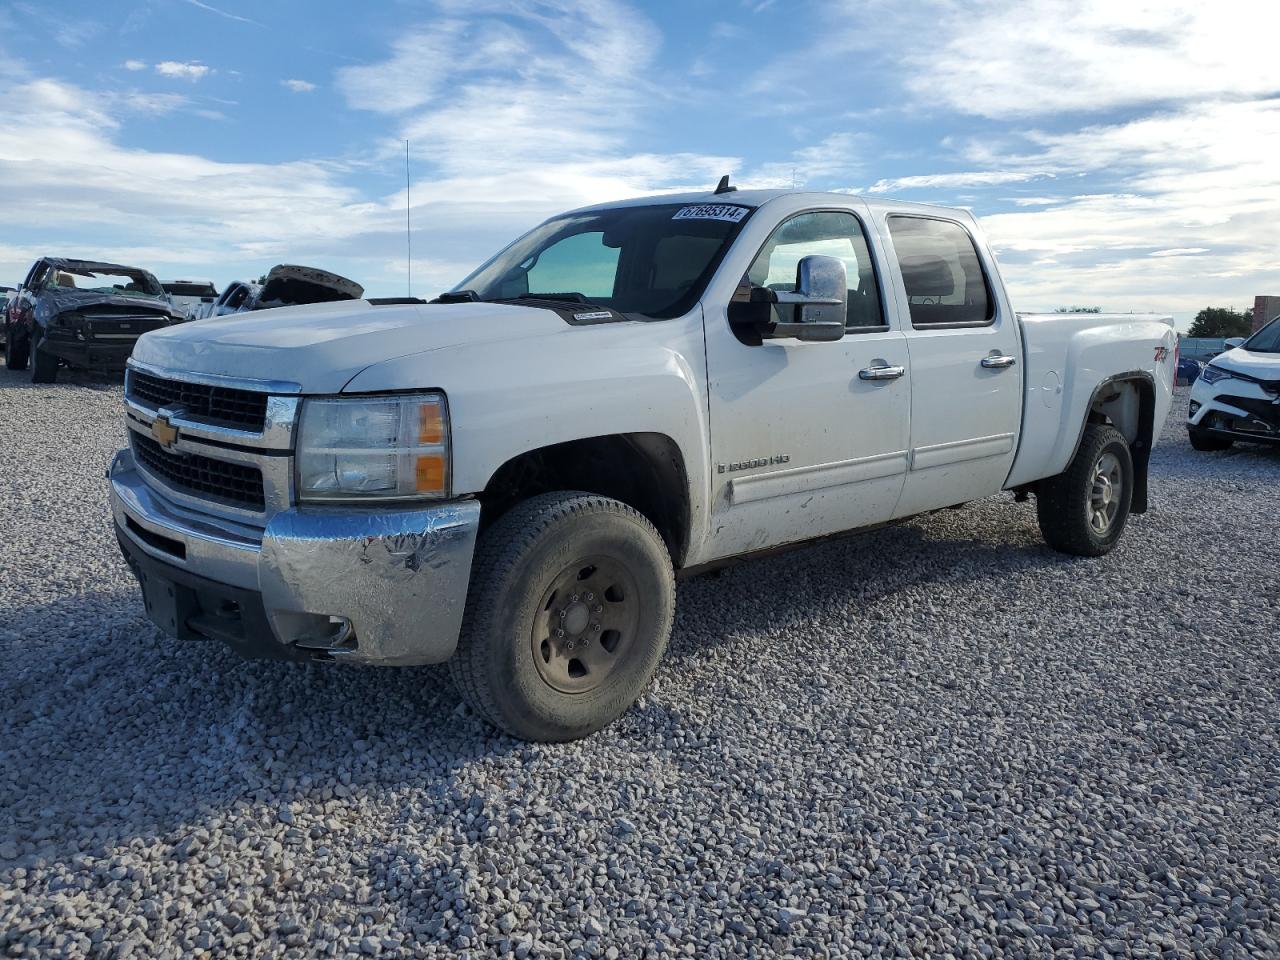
(822, 286)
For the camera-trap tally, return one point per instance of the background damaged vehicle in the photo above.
(192, 297)
(287, 285)
(81, 313)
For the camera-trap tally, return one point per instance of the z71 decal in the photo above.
(712, 211)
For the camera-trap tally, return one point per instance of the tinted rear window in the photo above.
(941, 272)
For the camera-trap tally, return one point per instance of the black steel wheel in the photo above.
(568, 614)
(586, 626)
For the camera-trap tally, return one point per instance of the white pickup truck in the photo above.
(510, 476)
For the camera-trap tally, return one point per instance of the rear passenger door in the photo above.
(964, 345)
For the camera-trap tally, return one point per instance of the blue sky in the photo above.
(1121, 154)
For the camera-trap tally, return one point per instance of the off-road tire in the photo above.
(518, 560)
(44, 366)
(1207, 442)
(15, 351)
(1065, 503)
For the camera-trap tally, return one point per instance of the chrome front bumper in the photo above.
(363, 586)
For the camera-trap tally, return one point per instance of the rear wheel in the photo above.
(15, 350)
(1207, 442)
(1083, 510)
(44, 366)
(568, 613)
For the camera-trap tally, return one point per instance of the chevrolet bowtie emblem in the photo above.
(164, 432)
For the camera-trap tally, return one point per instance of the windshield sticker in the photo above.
(598, 315)
(712, 211)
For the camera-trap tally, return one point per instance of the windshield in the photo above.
(124, 283)
(651, 260)
(1266, 340)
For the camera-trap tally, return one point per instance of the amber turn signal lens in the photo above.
(429, 474)
(430, 423)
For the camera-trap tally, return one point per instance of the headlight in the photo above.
(1212, 374)
(355, 448)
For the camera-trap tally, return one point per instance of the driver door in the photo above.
(808, 438)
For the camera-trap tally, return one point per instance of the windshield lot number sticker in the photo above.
(711, 211)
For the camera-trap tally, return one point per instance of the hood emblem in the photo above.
(165, 433)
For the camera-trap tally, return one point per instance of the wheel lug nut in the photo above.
(574, 598)
(590, 597)
(559, 634)
(563, 614)
(595, 628)
(598, 608)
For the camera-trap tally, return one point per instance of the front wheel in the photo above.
(568, 613)
(1083, 510)
(1207, 442)
(44, 365)
(15, 350)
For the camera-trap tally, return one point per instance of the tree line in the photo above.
(1222, 322)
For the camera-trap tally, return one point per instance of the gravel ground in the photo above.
(936, 739)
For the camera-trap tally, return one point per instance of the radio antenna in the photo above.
(408, 233)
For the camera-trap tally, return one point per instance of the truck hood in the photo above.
(291, 285)
(59, 300)
(1260, 366)
(320, 347)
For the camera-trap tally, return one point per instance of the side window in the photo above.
(36, 278)
(236, 299)
(941, 272)
(580, 263)
(830, 234)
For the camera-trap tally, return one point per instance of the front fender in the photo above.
(509, 397)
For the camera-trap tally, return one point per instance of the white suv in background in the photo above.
(1238, 395)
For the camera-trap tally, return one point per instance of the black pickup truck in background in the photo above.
(81, 313)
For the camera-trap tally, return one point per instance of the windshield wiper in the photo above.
(457, 296)
(566, 297)
(571, 295)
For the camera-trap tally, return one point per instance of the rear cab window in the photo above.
(942, 274)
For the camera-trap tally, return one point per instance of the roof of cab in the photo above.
(757, 198)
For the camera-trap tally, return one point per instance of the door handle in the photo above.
(997, 362)
(881, 373)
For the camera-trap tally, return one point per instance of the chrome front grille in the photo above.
(200, 476)
(244, 409)
(214, 444)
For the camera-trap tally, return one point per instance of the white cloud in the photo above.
(73, 34)
(223, 13)
(135, 65)
(840, 155)
(1187, 175)
(64, 170)
(186, 71)
(976, 178)
(526, 108)
(1017, 58)
(420, 58)
(299, 86)
(155, 104)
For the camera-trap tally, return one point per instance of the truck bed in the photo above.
(1067, 356)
